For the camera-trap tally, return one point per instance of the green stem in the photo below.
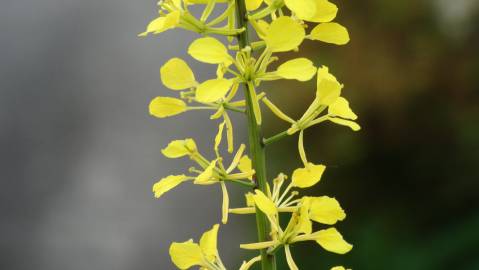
(275, 138)
(257, 148)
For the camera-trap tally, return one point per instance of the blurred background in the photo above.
(79, 153)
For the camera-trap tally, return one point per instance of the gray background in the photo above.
(79, 152)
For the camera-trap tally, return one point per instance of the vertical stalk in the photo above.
(257, 148)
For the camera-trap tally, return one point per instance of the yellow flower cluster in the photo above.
(280, 26)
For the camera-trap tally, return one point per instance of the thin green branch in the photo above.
(275, 138)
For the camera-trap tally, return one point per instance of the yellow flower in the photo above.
(162, 107)
(340, 108)
(313, 10)
(307, 176)
(330, 33)
(205, 254)
(168, 183)
(325, 210)
(180, 148)
(213, 90)
(284, 34)
(301, 69)
(328, 89)
(265, 204)
(331, 240)
(209, 50)
(162, 23)
(177, 75)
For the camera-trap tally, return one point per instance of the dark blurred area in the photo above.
(79, 152)
(409, 179)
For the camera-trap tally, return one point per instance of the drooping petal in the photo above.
(161, 24)
(186, 254)
(179, 148)
(265, 204)
(331, 240)
(209, 50)
(219, 136)
(208, 243)
(341, 108)
(225, 205)
(301, 69)
(162, 107)
(284, 34)
(326, 210)
(330, 33)
(308, 176)
(168, 183)
(177, 75)
(213, 90)
(353, 125)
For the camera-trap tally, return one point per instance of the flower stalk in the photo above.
(280, 27)
(257, 148)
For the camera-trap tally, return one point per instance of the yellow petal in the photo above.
(177, 75)
(206, 177)
(167, 183)
(339, 268)
(253, 4)
(179, 148)
(325, 11)
(331, 33)
(303, 9)
(284, 34)
(301, 69)
(308, 176)
(209, 50)
(249, 199)
(328, 87)
(328, 92)
(245, 164)
(326, 210)
(265, 204)
(162, 23)
(208, 243)
(185, 255)
(162, 107)
(219, 136)
(304, 223)
(331, 240)
(323, 74)
(353, 125)
(225, 205)
(341, 108)
(213, 90)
